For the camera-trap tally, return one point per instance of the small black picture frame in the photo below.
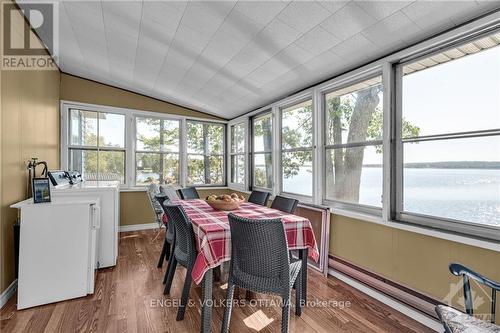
(41, 190)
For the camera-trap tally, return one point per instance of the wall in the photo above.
(29, 127)
(136, 209)
(414, 260)
(77, 89)
(134, 206)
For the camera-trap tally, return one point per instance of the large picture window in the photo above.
(157, 151)
(262, 147)
(237, 138)
(450, 163)
(297, 149)
(96, 145)
(205, 153)
(353, 143)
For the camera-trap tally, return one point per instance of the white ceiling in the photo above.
(229, 57)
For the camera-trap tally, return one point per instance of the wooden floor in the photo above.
(129, 298)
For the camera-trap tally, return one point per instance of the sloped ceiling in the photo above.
(229, 57)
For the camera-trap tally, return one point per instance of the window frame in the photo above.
(342, 204)
(397, 212)
(280, 151)
(65, 150)
(130, 139)
(223, 154)
(253, 152)
(160, 152)
(236, 122)
(384, 66)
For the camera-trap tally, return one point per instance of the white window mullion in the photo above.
(276, 152)
(183, 153)
(130, 135)
(318, 151)
(388, 197)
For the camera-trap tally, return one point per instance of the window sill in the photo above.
(488, 245)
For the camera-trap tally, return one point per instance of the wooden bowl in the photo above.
(225, 205)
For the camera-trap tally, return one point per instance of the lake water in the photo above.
(463, 194)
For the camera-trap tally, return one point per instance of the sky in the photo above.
(457, 96)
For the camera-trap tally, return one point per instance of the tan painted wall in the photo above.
(29, 127)
(417, 261)
(76, 89)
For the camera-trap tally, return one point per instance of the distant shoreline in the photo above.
(447, 165)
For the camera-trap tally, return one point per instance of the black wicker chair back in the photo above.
(260, 262)
(285, 204)
(184, 252)
(188, 193)
(259, 197)
(164, 199)
(169, 234)
(185, 247)
(259, 255)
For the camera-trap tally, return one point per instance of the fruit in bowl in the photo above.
(225, 201)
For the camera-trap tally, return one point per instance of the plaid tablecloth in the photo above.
(213, 238)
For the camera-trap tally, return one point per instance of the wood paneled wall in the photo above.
(29, 128)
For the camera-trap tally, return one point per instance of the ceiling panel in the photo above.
(229, 57)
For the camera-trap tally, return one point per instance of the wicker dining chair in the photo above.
(169, 233)
(188, 193)
(287, 205)
(259, 197)
(184, 252)
(260, 263)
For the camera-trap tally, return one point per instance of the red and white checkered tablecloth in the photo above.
(213, 238)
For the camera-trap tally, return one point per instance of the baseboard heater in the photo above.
(410, 297)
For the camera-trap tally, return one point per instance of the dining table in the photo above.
(213, 242)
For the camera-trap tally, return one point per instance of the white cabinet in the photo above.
(109, 196)
(58, 246)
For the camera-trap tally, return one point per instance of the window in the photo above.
(262, 129)
(238, 154)
(156, 151)
(353, 144)
(450, 137)
(297, 149)
(96, 145)
(205, 153)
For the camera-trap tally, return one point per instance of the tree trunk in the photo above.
(366, 103)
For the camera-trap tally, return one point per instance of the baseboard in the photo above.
(136, 227)
(400, 307)
(7, 293)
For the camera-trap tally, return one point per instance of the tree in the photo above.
(162, 137)
(94, 164)
(358, 114)
(205, 153)
(263, 128)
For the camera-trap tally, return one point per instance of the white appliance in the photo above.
(57, 252)
(109, 196)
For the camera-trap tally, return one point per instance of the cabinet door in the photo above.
(53, 253)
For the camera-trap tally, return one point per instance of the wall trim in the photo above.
(406, 310)
(7, 293)
(136, 227)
